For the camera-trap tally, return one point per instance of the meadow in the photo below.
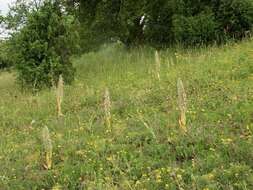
(143, 147)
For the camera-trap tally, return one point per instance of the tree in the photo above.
(1, 19)
(165, 22)
(6, 54)
(44, 45)
(109, 21)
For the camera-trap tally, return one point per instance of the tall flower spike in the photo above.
(158, 64)
(182, 104)
(48, 148)
(59, 95)
(107, 107)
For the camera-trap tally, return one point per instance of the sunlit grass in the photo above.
(145, 148)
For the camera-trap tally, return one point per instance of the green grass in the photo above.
(145, 148)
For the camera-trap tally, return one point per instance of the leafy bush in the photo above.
(167, 21)
(44, 47)
(199, 29)
(235, 17)
(158, 28)
(6, 59)
(3, 62)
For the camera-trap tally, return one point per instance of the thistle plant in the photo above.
(59, 95)
(158, 65)
(107, 107)
(48, 148)
(182, 104)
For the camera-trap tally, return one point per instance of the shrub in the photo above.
(202, 22)
(235, 17)
(169, 21)
(6, 59)
(158, 23)
(199, 29)
(3, 62)
(44, 46)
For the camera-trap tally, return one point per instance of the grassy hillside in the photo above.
(144, 148)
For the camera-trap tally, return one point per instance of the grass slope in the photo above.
(144, 149)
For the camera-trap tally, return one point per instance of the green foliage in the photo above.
(129, 17)
(166, 22)
(158, 22)
(1, 19)
(199, 22)
(99, 23)
(19, 12)
(192, 30)
(6, 55)
(87, 36)
(235, 17)
(44, 45)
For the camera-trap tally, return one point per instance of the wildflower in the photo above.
(208, 176)
(48, 148)
(59, 95)
(158, 64)
(227, 141)
(107, 107)
(56, 187)
(110, 158)
(182, 104)
(33, 122)
(179, 176)
(137, 182)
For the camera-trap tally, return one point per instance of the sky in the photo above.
(3, 11)
(4, 6)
